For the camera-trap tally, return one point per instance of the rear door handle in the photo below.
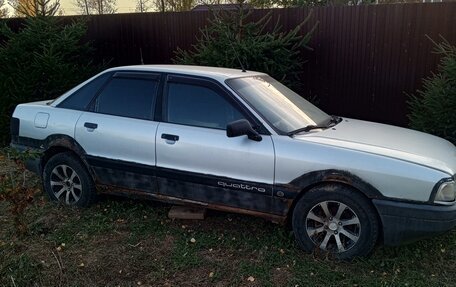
(170, 137)
(91, 125)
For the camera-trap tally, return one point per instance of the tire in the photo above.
(66, 180)
(335, 219)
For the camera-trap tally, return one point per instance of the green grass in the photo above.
(123, 242)
(18, 270)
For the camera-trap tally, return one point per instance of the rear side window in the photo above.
(128, 97)
(199, 106)
(80, 99)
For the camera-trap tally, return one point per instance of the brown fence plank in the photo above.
(365, 58)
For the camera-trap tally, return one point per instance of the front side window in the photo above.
(199, 106)
(128, 97)
(280, 106)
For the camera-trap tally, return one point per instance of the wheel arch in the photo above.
(56, 144)
(306, 182)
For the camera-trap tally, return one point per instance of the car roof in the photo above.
(220, 74)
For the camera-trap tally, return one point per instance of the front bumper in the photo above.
(405, 222)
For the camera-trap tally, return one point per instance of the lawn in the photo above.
(123, 242)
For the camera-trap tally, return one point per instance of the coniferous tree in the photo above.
(231, 40)
(433, 109)
(41, 61)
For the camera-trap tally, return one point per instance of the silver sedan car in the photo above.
(240, 142)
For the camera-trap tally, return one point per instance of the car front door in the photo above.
(197, 161)
(118, 133)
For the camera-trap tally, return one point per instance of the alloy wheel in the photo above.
(66, 184)
(333, 226)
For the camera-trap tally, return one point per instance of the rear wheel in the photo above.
(66, 180)
(337, 220)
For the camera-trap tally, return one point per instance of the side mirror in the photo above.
(240, 128)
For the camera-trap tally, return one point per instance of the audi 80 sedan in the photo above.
(240, 142)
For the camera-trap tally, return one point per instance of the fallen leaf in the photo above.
(211, 274)
(251, 279)
(193, 240)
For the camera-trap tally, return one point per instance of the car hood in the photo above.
(395, 142)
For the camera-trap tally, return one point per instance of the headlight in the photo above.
(446, 194)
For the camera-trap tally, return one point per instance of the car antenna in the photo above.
(140, 53)
(236, 53)
(239, 60)
(240, 63)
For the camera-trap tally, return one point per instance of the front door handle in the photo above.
(170, 137)
(91, 125)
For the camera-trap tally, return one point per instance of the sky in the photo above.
(123, 6)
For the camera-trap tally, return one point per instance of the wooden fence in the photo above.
(365, 58)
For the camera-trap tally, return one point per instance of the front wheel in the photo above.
(337, 220)
(66, 180)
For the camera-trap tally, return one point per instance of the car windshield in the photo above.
(280, 106)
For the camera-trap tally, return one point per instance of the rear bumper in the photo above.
(405, 222)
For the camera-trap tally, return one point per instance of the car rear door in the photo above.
(195, 158)
(118, 133)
